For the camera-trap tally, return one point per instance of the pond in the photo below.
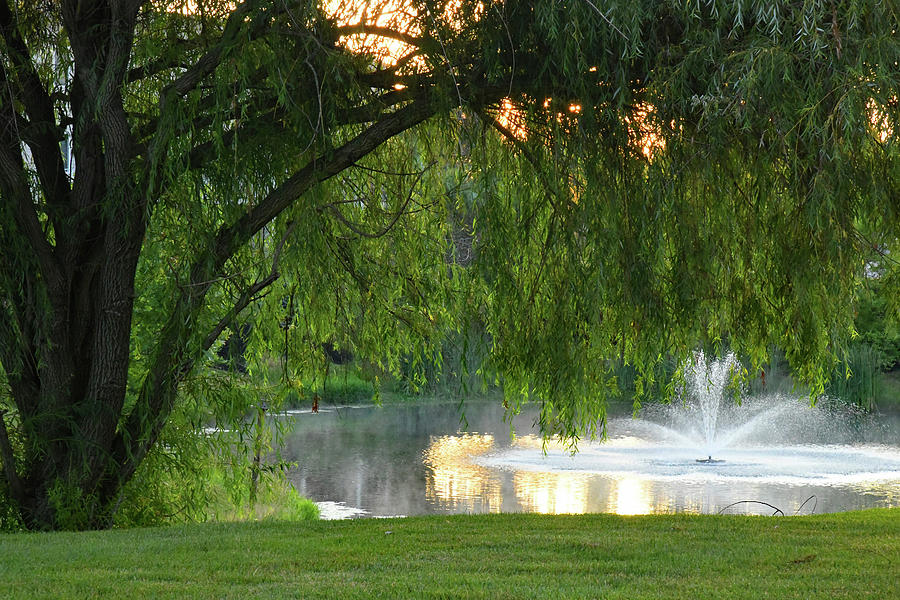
(421, 459)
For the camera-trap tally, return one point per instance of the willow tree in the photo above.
(626, 179)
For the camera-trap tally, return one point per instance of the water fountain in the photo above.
(702, 453)
(710, 450)
(705, 383)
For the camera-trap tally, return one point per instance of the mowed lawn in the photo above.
(849, 555)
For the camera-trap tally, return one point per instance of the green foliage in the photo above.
(73, 508)
(343, 385)
(173, 483)
(875, 325)
(890, 391)
(10, 520)
(585, 255)
(210, 485)
(201, 469)
(856, 379)
(276, 499)
(721, 183)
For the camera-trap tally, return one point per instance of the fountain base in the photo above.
(709, 460)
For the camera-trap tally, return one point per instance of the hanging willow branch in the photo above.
(250, 294)
(358, 229)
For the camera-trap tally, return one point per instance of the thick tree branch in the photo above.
(15, 190)
(157, 148)
(204, 152)
(174, 357)
(159, 65)
(265, 113)
(44, 136)
(108, 285)
(374, 109)
(230, 238)
(153, 68)
(378, 31)
(250, 293)
(209, 61)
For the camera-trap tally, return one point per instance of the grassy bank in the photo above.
(850, 555)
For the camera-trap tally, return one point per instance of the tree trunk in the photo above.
(71, 240)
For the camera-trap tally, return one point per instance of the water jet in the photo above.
(776, 450)
(770, 446)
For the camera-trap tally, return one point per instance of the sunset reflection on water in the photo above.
(413, 460)
(631, 498)
(551, 493)
(461, 478)
(455, 482)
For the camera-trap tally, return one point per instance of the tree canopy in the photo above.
(585, 180)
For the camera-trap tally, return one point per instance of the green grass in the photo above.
(344, 385)
(849, 555)
(277, 500)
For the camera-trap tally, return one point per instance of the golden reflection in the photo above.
(692, 506)
(454, 480)
(569, 492)
(631, 497)
(551, 493)
(888, 490)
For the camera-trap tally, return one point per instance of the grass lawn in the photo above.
(849, 555)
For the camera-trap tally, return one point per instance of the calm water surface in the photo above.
(423, 459)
